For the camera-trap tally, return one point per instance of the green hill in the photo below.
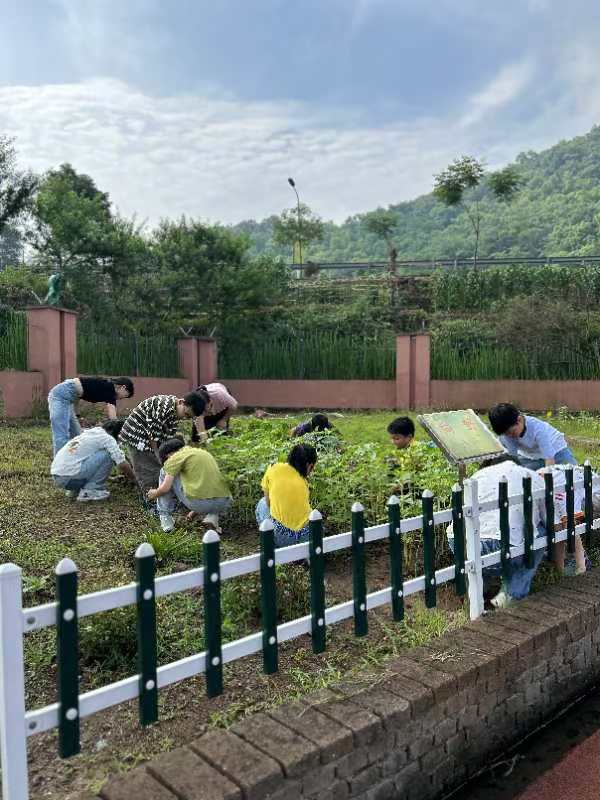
(555, 213)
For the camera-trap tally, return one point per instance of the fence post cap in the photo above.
(457, 487)
(394, 500)
(503, 479)
(144, 550)
(9, 569)
(427, 494)
(315, 515)
(357, 508)
(547, 470)
(568, 466)
(587, 463)
(65, 567)
(210, 537)
(266, 525)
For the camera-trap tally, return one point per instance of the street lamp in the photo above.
(293, 185)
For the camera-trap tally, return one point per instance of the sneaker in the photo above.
(92, 494)
(167, 523)
(71, 493)
(213, 520)
(502, 600)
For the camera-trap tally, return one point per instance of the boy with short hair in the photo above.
(83, 464)
(192, 476)
(402, 432)
(150, 424)
(534, 442)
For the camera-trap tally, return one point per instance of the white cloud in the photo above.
(505, 87)
(226, 160)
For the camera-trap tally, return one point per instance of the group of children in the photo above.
(146, 449)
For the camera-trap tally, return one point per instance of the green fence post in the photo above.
(429, 548)
(317, 582)
(549, 503)
(589, 505)
(145, 567)
(504, 521)
(570, 491)
(359, 580)
(396, 558)
(458, 528)
(528, 521)
(67, 652)
(212, 614)
(268, 597)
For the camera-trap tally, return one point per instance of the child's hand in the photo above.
(152, 494)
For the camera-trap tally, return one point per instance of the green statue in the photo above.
(53, 296)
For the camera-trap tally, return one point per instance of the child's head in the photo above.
(123, 387)
(507, 420)
(303, 458)
(169, 447)
(401, 431)
(113, 427)
(320, 422)
(191, 405)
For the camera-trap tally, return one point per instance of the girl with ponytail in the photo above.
(286, 496)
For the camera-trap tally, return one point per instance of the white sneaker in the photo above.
(167, 523)
(92, 494)
(502, 600)
(211, 519)
(71, 493)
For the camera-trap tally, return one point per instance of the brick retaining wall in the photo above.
(435, 717)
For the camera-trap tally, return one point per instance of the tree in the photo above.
(383, 224)
(467, 173)
(11, 247)
(297, 225)
(75, 235)
(16, 188)
(203, 278)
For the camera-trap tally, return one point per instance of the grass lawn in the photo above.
(39, 526)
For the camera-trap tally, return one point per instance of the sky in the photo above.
(206, 107)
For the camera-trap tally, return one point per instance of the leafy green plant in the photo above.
(13, 340)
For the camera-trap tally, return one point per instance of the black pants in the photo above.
(211, 420)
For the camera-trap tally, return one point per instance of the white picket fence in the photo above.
(17, 724)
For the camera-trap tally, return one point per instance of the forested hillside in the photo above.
(555, 213)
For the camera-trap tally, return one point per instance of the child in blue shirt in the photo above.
(534, 442)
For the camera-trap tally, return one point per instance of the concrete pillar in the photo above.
(198, 359)
(412, 371)
(403, 373)
(422, 371)
(207, 360)
(52, 343)
(188, 360)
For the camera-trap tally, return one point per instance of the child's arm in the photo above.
(111, 411)
(164, 488)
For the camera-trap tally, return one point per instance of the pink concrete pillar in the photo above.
(207, 360)
(188, 360)
(403, 372)
(52, 346)
(421, 376)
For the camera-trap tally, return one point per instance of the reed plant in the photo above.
(13, 340)
(103, 353)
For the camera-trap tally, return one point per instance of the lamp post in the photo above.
(293, 185)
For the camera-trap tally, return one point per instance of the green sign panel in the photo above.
(461, 435)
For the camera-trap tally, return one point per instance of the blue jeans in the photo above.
(63, 422)
(520, 576)
(93, 474)
(283, 536)
(564, 456)
(166, 503)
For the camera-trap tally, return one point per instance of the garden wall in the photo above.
(19, 391)
(436, 717)
(532, 395)
(314, 394)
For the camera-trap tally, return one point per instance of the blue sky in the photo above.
(205, 108)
